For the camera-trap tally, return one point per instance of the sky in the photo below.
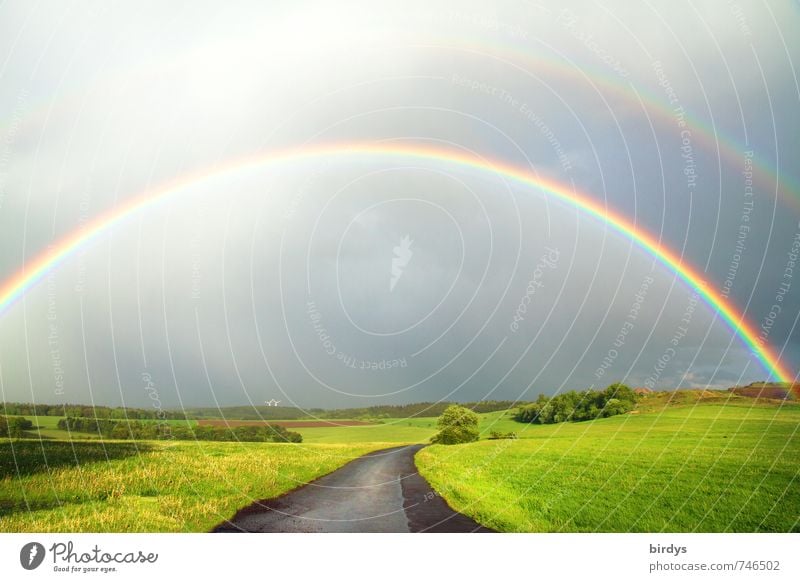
(361, 278)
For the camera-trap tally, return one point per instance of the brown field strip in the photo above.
(283, 423)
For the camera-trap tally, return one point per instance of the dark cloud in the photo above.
(351, 280)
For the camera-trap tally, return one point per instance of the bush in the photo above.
(456, 425)
(495, 435)
(577, 406)
(14, 426)
(139, 430)
(455, 435)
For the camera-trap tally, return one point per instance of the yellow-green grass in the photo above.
(405, 430)
(150, 486)
(708, 468)
(398, 431)
(657, 401)
(46, 427)
(394, 430)
(502, 421)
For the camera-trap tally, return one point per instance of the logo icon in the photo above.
(402, 256)
(31, 555)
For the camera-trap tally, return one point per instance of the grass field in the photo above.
(406, 430)
(391, 430)
(120, 486)
(395, 430)
(46, 427)
(710, 468)
(685, 461)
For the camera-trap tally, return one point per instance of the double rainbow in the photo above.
(29, 275)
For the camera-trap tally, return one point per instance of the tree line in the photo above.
(29, 409)
(14, 426)
(417, 409)
(248, 412)
(365, 413)
(136, 430)
(575, 406)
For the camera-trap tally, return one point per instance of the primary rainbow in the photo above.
(29, 275)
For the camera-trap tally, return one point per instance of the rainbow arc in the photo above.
(16, 286)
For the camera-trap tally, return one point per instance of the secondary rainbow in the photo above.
(15, 287)
(709, 138)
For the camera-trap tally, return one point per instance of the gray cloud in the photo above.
(274, 281)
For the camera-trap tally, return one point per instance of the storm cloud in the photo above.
(360, 277)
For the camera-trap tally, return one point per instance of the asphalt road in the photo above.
(379, 492)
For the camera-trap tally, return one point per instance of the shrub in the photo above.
(456, 425)
(135, 429)
(14, 426)
(576, 406)
(495, 435)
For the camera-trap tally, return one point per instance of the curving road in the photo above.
(379, 492)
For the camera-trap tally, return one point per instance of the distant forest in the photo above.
(775, 390)
(134, 429)
(247, 412)
(87, 411)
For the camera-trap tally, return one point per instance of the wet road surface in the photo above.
(379, 492)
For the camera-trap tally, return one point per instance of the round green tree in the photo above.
(456, 425)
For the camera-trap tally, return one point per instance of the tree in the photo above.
(456, 425)
(615, 406)
(14, 426)
(575, 406)
(620, 392)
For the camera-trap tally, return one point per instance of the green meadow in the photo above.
(686, 461)
(404, 430)
(704, 468)
(46, 427)
(122, 486)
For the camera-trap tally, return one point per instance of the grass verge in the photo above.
(120, 486)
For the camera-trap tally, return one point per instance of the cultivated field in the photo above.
(291, 424)
(119, 486)
(709, 468)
